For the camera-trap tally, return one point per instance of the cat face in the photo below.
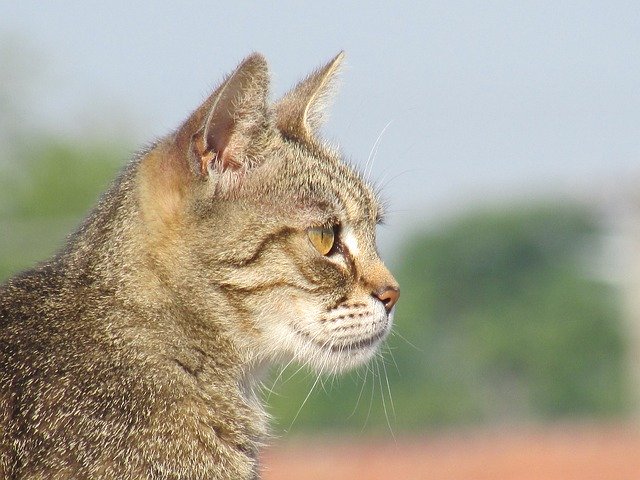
(333, 305)
(271, 230)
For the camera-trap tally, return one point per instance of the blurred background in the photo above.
(505, 137)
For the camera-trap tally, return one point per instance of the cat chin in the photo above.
(329, 342)
(339, 357)
(343, 361)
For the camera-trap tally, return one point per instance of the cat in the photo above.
(238, 241)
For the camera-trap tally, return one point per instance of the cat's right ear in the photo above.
(300, 113)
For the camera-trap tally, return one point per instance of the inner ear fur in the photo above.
(301, 112)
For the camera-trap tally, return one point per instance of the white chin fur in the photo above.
(344, 339)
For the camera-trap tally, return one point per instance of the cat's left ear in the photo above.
(222, 138)
(228, 130)
(300, 113)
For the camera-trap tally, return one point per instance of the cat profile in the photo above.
(238, 241)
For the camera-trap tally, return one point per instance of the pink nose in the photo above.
(388, 296)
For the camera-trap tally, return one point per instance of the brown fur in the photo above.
(134, 352)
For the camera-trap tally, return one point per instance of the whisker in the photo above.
(384, 403)
(373, 384)
(395, 332)
(288, 379)
(393, 359)
(368, 168)
(335, 379)
(273, 386)
(326, 356)
(364, 383)
(269, 390)
(385, 181)
(322, 384)
(304, 401)
(386, 378)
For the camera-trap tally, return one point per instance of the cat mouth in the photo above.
(358, 345)
(342, 347)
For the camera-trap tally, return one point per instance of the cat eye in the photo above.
(322, 238)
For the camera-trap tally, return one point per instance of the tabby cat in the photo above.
(238, 241)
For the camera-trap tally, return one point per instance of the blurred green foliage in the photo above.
(506, 305)
(45, 190)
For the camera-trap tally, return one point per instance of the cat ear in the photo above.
(299, 114)
(223, 132)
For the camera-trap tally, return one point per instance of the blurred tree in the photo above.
(45, 190)
(508, 307)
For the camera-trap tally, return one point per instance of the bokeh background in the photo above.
(505, 137)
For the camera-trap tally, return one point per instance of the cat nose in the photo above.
(388, 295)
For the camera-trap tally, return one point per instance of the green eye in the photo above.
(322, 238)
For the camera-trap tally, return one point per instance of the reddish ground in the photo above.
(532, 453)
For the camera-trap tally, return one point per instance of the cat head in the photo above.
(261, 227)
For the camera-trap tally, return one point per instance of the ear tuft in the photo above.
(300, 113)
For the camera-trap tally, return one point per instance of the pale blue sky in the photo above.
(487, 100)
